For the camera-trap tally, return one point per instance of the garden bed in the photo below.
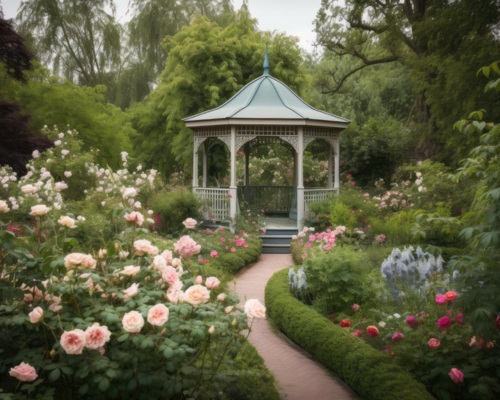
(370, 373)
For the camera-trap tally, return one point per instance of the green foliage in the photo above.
(371, 374)
(51, 101)
(173, 208)
(341, 215)
(337, 281)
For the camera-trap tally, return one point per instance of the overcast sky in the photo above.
(295, 17)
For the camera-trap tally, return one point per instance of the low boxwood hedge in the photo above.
(371, 374)
(233, 262)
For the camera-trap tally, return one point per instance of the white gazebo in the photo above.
(265, 111)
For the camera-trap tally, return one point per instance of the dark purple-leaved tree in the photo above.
(18, 139)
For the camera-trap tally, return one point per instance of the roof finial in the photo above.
(266, 64)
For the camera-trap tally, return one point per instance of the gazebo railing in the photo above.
(271, 199)
(214, 203)
(312, 195)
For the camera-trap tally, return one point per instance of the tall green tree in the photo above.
(80, 39)
(443, 42)
(206, 65)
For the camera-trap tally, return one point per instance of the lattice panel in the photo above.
(258, 130)
(214, 203)
(318, 131)
(198, 141)
(212, 131)
(241, 140)
(314, 195)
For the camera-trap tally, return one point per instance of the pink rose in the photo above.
(186, 247)
(212, 282)
(24, 372)
(167, 255)
(198, 280)
(132, 291)
(434, 343)
(175, 293)
(73, 341)
(397, 337)
(456, 375)
(440, 300)
(96, 336)
(196, 294)
(254, 309)
(133, 322)
(158, 315)
(169, 275)
(190, 223)
(136, 217)
(444, 322)
(143, 246)
(355, 307)
(214, 254)
(36, 315)
(411, 321)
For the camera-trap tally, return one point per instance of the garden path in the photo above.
(299, 377)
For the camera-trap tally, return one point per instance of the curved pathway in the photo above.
(299, 377)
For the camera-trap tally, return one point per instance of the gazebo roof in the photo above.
(265, 98)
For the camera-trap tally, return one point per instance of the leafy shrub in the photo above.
(173, 208)
(371, 374)
(341, 215)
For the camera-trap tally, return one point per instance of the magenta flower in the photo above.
(444, 322)
(441, 300)
(410, 320)
(397, 337)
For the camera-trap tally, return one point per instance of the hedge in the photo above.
(233, 262)
(370, 373)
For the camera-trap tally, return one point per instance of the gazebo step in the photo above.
(275, 248)
(277, 239)
(280, 232)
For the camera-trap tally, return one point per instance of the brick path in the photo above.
(299, 377)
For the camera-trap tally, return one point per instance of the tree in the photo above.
(79, 38)
(441, 41)
(16, 133)
(205, 66)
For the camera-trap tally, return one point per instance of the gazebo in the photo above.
(263, 112)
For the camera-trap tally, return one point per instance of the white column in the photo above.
(330, 172)
(300, 178)
(246, 150)
(205, 161)
(233, 187)
(337, 163)
(195, 165)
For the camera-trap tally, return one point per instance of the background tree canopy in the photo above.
(403, 72)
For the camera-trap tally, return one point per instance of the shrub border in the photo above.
(370, 373)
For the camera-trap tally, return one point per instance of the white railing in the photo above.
(313, 195)
(214, 203)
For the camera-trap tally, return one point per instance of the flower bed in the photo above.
(370, 373)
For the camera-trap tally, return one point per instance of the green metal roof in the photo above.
(266, 98)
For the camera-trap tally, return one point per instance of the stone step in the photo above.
(275, 248)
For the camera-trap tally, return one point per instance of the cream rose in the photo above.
(78, 259)
(97, 336)
(23, 372)
(167, 255)
(196, 294)
(221, 297)
(212, 282)
(131, 270)
(159, 263)
(68, 222)
(129, 192)
(254, 309)
(3, 206)
(132, 291)
(39, 209)
(133, 322)
(29, 189)
(136, 217)
(73, 341)
(158, 315)
(144, 246)
(36, 315)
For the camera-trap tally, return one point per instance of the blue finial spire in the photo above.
(266, 64)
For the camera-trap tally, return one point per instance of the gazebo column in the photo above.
(337, 163)
(246, 150)
(195, 165)
(300, 177)
(330, 172)
(205, 162)
(233, 188)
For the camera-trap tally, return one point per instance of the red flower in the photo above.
(450, 296)
(345, 323)
(497, 322)
(372, 331)
(357, 333)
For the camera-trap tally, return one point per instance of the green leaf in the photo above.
(122, 338)
(104, 384)
(168, 353)
(54, 375)
(83, 389)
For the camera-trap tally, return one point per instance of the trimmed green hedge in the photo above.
(367, 371)
(233, 262)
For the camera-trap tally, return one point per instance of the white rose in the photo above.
(129, 192)
(254, 309)
(28, 189)
(133, 322)
(3, 206)
(196, 295)
(68, 222)
(39, 209)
